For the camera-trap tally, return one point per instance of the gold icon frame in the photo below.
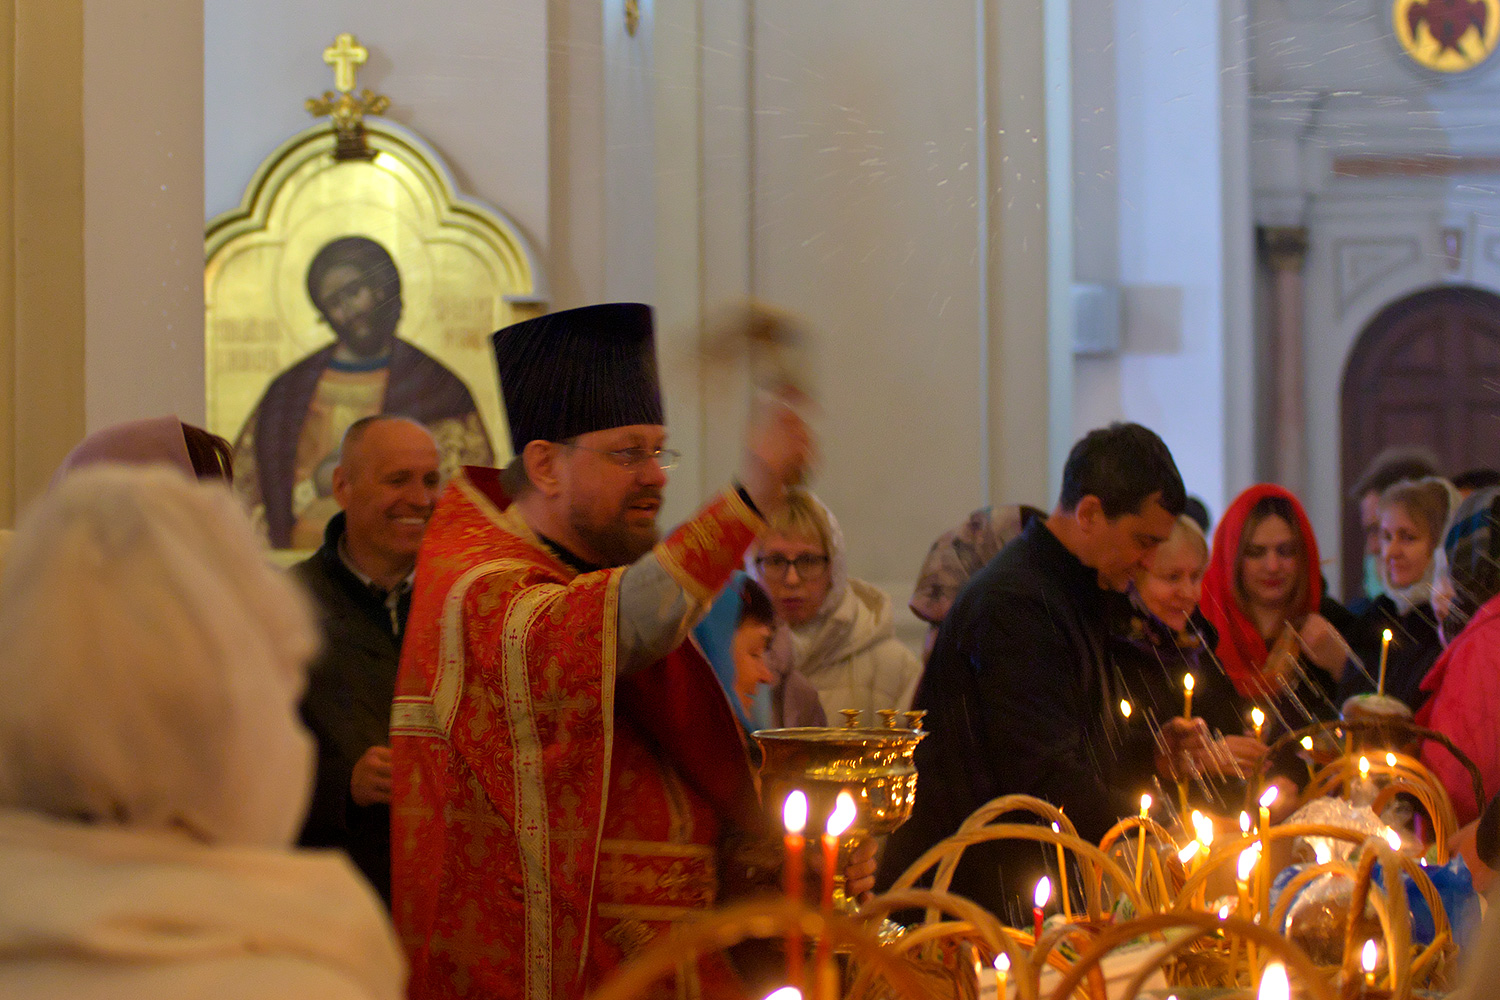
(466, 270)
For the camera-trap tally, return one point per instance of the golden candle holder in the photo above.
(874, 765)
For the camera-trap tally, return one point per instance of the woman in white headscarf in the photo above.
(838, 632)
(153, 771)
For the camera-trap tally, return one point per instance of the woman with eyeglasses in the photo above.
(841, 630)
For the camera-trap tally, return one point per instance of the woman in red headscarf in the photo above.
(1280, 638)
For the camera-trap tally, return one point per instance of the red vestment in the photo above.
(548, 822)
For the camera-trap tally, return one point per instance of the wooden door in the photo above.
(1426, 371)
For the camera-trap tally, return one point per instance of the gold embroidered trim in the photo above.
(532, 832)
(655, 849)
(607, 720)
(663, 914)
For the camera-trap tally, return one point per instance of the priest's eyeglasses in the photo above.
(806, 565)
(634, 458)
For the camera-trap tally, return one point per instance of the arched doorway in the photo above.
(1426, 371)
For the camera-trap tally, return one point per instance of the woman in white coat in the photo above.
(153, 772)
(838, 632)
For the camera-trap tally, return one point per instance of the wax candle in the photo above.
(1307, 745)
(1187, 696)
(838, 821)
(1367, 958)
(1267, 799)
(1140, 848)
(1062, 877)
(1039, 900)
(794, 817)
(1249, 860)
(1257, 719)
(1385, 647)
(1002, 974)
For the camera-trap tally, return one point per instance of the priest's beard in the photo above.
(621, 538)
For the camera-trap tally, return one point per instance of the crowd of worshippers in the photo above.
(522, 713)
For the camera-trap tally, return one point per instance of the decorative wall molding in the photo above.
(1361, 264)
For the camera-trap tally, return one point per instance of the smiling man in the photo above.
(570, 781)
(386, 483)
(1020, 689)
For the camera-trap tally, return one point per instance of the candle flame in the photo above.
(1322, 853)
(1002, 963)
(1224, 912)
(1125, 708)
(1307, 743)
(1249, 858)
(842, 816)
(785, 993)
(1203, 827)
(1364, 767)
(1187, 682)
(1274, 984)
(1258, 717)
(1244, 822)
(1390, 760)
(1268, 797)
(1189, 852)
(1145, 805)
(794, 813)
(1043, 892)
(1385, 636)
(1393, 838)
(1368, 955)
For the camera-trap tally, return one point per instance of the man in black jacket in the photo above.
(1019, 689)
(386, 484)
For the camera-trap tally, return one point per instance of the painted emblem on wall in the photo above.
(351, 281)
(1449, 36)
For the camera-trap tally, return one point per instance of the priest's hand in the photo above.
(859, 873)
(370, 782)
(778, 451)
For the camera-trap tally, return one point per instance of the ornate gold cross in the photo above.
(345, 55)
(348, 112)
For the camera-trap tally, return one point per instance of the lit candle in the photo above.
(1274, 984)
(1257, 719)
(1140, 849)
(1249, 860)
(1367, 958)
(794, 816)
(1125, 708)
(785, 993)
(1039, 900)
(1385, 647)
(1002, 972)
(1390, 760)
(1267, 799)
(1307, 744)
(838, 821)
(1393, 839)
(1187, 696)
(1244, 823)
(1062, 877)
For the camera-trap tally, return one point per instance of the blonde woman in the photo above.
(838, 632)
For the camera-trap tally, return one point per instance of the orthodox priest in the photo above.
(568, 774)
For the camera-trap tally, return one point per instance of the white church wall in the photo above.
(866, 221)
(143, 203)
(1170, 205)
(470, 78)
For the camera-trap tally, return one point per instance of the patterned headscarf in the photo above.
(1471, 550)
(962, 552)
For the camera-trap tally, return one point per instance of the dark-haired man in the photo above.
(285, 454)
(1019, 689)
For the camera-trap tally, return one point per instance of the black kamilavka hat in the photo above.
(579, 370)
